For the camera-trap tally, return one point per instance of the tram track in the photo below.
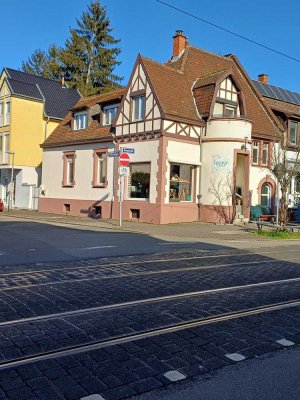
(147, 262)
(96, 345)
(152, 300)
(142, 273)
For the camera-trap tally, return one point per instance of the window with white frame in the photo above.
(7, 112)
(6, 148)
(293, 132)
(255, 152)
(1, 112)
(138, 107)
(109, 113)
(69, 169)
(265, 154)
(80, 120)
(100, 168)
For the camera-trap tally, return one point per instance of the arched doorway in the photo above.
(265, 195)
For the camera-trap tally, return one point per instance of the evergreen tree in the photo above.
(89, 56)
(46, 64)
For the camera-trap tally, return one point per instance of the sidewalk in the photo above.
(193, 231)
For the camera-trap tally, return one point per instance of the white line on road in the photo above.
(97, 247)
(168, 243)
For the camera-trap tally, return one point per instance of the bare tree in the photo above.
(284, 165)
(224, 191)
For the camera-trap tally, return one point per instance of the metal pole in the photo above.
(12, 153)
(120, 202)
(277, 205)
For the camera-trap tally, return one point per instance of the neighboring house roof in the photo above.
(281, 100)
(58, 99)
(173, 83)
(277, 93)
(63, 135)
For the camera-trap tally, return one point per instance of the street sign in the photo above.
(124, 171)
(124, 159)
(114, 154)
(128, 150)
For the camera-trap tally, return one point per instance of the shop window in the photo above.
(139, 181)
(181, 182)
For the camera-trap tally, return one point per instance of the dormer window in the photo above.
(227, 103)
(109, 113)
(80, 120)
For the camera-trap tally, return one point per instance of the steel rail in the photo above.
(72, 350)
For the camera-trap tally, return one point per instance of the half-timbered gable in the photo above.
(139, 115)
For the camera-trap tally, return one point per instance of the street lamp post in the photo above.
(12, 153)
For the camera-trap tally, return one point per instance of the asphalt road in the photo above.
(275, 377)
(113, 314)
(30, 242)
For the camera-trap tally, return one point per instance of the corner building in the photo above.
(201, 132)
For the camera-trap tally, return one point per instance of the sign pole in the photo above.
(120, 202)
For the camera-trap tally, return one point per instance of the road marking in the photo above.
(174, 376)
(170, 243)
(97, 247)
(93, 397)
(235, 357)
(285, 342)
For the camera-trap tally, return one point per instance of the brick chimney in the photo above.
(179, 43)
(264, 78)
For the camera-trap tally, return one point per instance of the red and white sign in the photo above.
(124, 159)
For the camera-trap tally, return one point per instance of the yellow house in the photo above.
(30, 108)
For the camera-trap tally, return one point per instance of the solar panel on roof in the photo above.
(289, 95)
(297, 95)
(278, 93)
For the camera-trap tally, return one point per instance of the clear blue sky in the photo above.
(147, 27)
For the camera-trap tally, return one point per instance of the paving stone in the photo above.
(174, 376)
(235, 357)
(119, 393)
(93, 397)
(146, 385)
(285, 342)
(38, 383)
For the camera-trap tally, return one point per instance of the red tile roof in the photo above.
(63, 135)
(173, 84)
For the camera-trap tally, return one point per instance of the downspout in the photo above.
(46, 128)
(199, 195)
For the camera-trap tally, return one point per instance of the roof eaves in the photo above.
(255, 90)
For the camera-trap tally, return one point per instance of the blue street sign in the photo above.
(128, 150)
(114, 154)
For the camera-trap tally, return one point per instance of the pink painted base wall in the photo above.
(149, 213)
